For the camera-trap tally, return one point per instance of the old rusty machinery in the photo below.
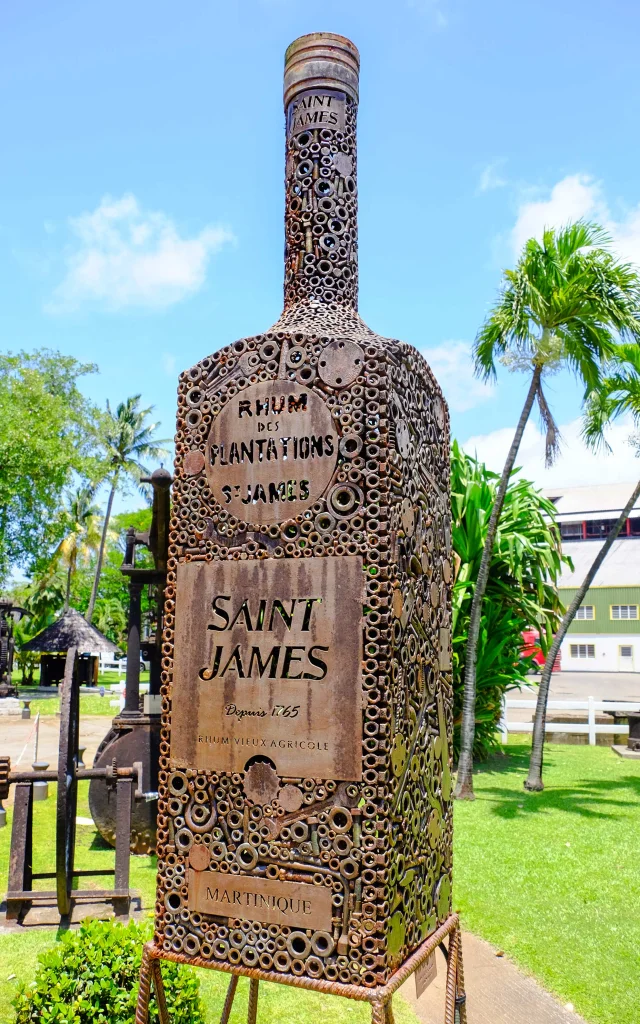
(9, 614)
(134, 735)
(120, 780)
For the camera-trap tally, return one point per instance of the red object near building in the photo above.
(530, 646)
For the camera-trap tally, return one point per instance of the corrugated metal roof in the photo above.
(597, 501)
(621, 567)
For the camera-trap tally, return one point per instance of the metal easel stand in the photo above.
(380, 998)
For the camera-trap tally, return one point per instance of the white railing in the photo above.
(591, 728)
(110, 664)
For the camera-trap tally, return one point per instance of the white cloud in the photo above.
(123, 256)
(576, 466)
(452, 365)
(574, 197)
(491, 177)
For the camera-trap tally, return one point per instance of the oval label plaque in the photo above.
(271, 452)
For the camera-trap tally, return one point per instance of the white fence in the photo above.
(590, 706)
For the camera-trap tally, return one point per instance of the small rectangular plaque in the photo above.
(268, 661)
(260, 899)
(317, 109)
(426, 973)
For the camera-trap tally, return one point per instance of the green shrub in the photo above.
(91, 977)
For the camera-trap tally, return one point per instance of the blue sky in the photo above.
(141, 200)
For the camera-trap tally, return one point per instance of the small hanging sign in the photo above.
(425, 974)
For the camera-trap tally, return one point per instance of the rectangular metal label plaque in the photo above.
(260, 899)
(268, 661)
(425, 974)
(317, 109)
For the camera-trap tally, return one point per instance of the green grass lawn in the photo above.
(553, 879)
(90, 704)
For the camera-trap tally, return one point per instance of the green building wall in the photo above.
(602, 598)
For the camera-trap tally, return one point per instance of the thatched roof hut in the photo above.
(70, 630)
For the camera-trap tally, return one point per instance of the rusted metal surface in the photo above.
(262, 899)
(374, 834)
(263, 666)
(67, 788)
(379, 997)
(272, 450)
(9, 613)
(135, 736)
(20, 894)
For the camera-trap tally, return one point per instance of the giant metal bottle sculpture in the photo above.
(304, 832)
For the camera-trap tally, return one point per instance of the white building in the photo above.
(605, 635)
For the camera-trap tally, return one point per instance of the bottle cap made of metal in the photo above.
(321, 60)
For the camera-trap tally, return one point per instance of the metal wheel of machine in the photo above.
(67, 798)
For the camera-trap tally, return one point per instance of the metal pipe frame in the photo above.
(379, 997)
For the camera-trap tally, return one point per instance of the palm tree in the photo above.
(562, 307)
(82, 534)
(127, 439)
(111, 618)
(618, 393)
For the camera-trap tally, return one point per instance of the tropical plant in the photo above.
(42, 598)
(110, 617)
(618, 393)
(91, 977)
(127, 439)
(81, 533)
(521, 591)
(45, 436)
(561, 308)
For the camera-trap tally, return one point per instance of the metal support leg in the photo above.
(124, 792)
(461, 997)
(378, 1013)
(389, 1018)
(20, 857)
(228, 1003)
(252, 1013)
(163, 1013)
(144, 990)
(451, 1015)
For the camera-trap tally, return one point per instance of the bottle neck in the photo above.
(321, 226)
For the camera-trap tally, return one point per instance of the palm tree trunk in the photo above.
(534, 781)
(103, 542)
(70, 572)
(464, 782)
(67, 598)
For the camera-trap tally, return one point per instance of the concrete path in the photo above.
(497, 992)
(16, 733)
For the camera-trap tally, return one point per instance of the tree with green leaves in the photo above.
(80, 518)
(46, 435)
(617, 394)
(563, 307)
(127, 440)
(521, 588)
(43, 598)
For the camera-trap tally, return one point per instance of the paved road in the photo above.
(578, 686)
(497, 992)
(601, 685)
